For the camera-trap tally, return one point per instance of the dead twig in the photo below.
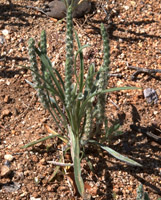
(147, 132)
(60, 163)
(140, 70)
(37, 9)
(115, 75)
(114, 104)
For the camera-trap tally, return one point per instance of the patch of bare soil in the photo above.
(134, 28)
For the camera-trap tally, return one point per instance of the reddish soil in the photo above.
(134, 28)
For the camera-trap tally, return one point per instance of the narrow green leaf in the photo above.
(43, 139)
(140, 192)
(118, 89)
(89, 164)
(111, 131)
(56, 170)
(47, 64)
(50, 87)
(146, 196)
(81, 61)
(85, 103)
(75, 151)
(62, 118)
(118, 133)
(116, 154)
(72, 142)
(60, 78)
(79, 51)
(120, 157)
(77, 168)
(76, 55)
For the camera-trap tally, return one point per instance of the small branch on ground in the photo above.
(60, 164)
(139, 70)
(115, 75)
(148, 133)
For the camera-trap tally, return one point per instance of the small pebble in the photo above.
(126, 7)
(49, 188)
(5, 170)
(2, 40)
(43, 161)
(23, 194)
(6, 99)
(36, 179)
(8, 157)
(5, 112)
(5, 32)
(150, 95)
(33, 198)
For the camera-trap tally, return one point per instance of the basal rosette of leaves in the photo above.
(77, 95)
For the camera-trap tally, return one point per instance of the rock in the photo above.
(43, 161)
(57, 8)
(33, 198)
(5, 112)
(11, 187)
(150, 95)
(8, 157)
(5, 170)
(2, 40)
(5, 32)
(34, 158)
(6, 99)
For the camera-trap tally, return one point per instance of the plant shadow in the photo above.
(134, 146)
(112, 27)
(14, 10)
(130, 148)
(5, 73)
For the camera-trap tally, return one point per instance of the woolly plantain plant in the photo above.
(77, 95)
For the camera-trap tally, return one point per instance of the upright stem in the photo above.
(69, 59)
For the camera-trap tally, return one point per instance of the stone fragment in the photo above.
(8, 157)
(33, 198)
(11, 186)
(5, 112)
(6, 99)
(43, 161)
(150, 95)
(5, 170)
(2, 39)
(5, 32)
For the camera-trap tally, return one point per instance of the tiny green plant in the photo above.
(141, 194)
(75, 101)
